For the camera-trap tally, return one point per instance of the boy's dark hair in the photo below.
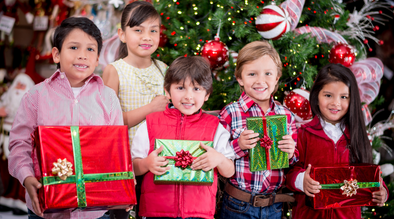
(134, 14)
(71, 23)
(194, 67)
(359, 146)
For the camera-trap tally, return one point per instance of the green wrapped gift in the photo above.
(180, 154)
(266, 155)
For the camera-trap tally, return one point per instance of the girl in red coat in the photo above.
(336, 135)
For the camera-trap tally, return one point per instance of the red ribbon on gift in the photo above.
(266, 142)
(182, 159)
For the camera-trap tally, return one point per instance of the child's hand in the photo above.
(155, 163)
(248, 139)
(32, 185)
(310, 186)
(208, 160)
(159, 103)
(380, 196)
(287, 145)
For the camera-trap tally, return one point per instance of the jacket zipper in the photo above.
(178, 186)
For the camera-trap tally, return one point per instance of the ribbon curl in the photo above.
(350, 187)
(266, 142)
(182, 159)
(62, 168)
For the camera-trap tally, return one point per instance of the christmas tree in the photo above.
(307, 36)
(189, 25)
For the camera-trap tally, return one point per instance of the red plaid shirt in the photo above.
(233, 118)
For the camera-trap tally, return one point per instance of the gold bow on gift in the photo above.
(350, 187)
(62, 168)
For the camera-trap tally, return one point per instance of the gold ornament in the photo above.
(350, 187)
(62, 168)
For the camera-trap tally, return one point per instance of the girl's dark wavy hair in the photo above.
(134, 14)
(358, 144)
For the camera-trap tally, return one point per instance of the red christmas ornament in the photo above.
(273, 22)
(342, 54)
(163, 37)
(298, 102)
(216, 52)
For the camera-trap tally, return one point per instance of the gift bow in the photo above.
(350, 187)
(182, 159)
(62, 168)
(266, 142)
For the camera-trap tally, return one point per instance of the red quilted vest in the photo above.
(178, 200)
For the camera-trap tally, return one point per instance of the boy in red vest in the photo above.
(188, 83)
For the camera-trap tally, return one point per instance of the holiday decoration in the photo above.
(116, 3)
(368, 74)
(345, 186)
(342, 54)
(215, 52)
(298, 102)
(109, 50)
(163, 36)
(360, 25)
(294, 8)
(273, 22)
(78, 175)
(266, 155)
(322, 35)
(180, 154)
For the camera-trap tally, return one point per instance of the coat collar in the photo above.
(246, 103)
(316, 128)
(175, 113)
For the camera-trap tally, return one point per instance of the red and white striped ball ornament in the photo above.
(216, 52)
(273, 22)
(298, 102)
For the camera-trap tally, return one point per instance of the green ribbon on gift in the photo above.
(361, 185)
(79, 178)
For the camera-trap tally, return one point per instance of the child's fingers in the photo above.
(379, 196)
(308, 193)
(160, 170)
(162, 163)
(199, 164)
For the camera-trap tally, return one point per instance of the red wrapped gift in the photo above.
(345, 186)
(86, 167)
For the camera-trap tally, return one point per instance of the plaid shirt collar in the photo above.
(246, 103)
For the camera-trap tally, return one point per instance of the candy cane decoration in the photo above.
(368, 73)
(294, 8)
(322, 35)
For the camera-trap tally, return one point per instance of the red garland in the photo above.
(182, 159)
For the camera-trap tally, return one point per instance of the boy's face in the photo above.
(186, 97)
(259, 79)
(78, 58)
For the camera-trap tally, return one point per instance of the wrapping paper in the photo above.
(179, 173)
(262, 158)
(100, 174)
(332, 179)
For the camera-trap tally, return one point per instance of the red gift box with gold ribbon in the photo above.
(85, 167)
(345, 186)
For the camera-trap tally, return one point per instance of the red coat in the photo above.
(178, 200)
(317, 149)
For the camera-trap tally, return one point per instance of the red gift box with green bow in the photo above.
(345, 186)
(85, 167)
